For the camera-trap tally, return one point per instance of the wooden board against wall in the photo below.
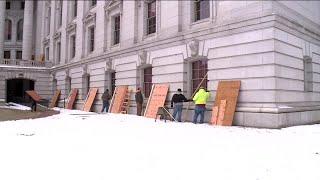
(157, 99)
(72, 98)
(34, 95)
(90, 99)
(117, 99)
(228, 91)
(55, 99)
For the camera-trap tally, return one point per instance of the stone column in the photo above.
(27, 31)
(2, 24)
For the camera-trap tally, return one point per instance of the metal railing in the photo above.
(25, 63)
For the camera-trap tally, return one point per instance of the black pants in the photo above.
(34, 106)
(139, 109)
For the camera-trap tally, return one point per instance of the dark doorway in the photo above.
(16, 89)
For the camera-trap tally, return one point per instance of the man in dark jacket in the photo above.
(105, 100)
(139, 101)
(177, 100)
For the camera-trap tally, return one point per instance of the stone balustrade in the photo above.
(25, 63)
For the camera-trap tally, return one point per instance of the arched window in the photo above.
(20, 30)
(8, 29)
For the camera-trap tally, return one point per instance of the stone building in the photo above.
(273, 47)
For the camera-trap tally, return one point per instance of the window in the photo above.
(48, 20)
(201, 9)
(87, 84)
(8, 5)
(6, 55)
(91, 39)
(22, 5)
(8, 29)
(93, 3)
(18, 54)
(116, 31)
(74, 8)
(151, 17)
(58, 52)
(20, 30)
(68, 85)
(59, 13)
(147, 81)
(199, 71)
(47, 54)
(72, 46)
(113, 82)
(308, 74)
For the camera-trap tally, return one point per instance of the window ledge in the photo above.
(206, 20)
(115, 46)
(150, 36)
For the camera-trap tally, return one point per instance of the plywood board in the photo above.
(214, 118)
(72, 98)
(157, 99)
(229, 91)
(222, 110)
(90, 99)
(118, 98)
(34, 95)
(55, 99)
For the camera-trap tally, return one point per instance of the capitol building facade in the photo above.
(273, 47)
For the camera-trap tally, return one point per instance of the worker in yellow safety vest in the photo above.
(200, 99)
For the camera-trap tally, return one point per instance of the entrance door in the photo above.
(16, 89)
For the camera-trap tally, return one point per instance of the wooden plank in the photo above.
(214, 118)
(55, 99)
(90, 99)
(118, 98)
(34, 95)
(72, 98)
(157, 99)
(221, 112)
(229, 91)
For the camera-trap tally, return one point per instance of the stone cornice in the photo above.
(57, 35)
(71, 27)
(89, 18)
(113, 4)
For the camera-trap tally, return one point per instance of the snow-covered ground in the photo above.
(76, 145)
(12, 105)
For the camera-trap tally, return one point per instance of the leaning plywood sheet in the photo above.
(228, 91)
(157, 99)
(118, 98)
(72, 98)
(55, 99)
(34, 95)
(90, 98)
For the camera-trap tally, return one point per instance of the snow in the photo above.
(77, 145)
(12, 105)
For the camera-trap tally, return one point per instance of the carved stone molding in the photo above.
(112, 5)
(194, 47)
(84, 69)
(66, 72)
(57, 35)
(71, 27)
(89, 18)
(142, 57)
(46, 41)
(108, 65)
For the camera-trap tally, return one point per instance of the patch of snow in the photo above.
(77, 145)
(12, 105)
